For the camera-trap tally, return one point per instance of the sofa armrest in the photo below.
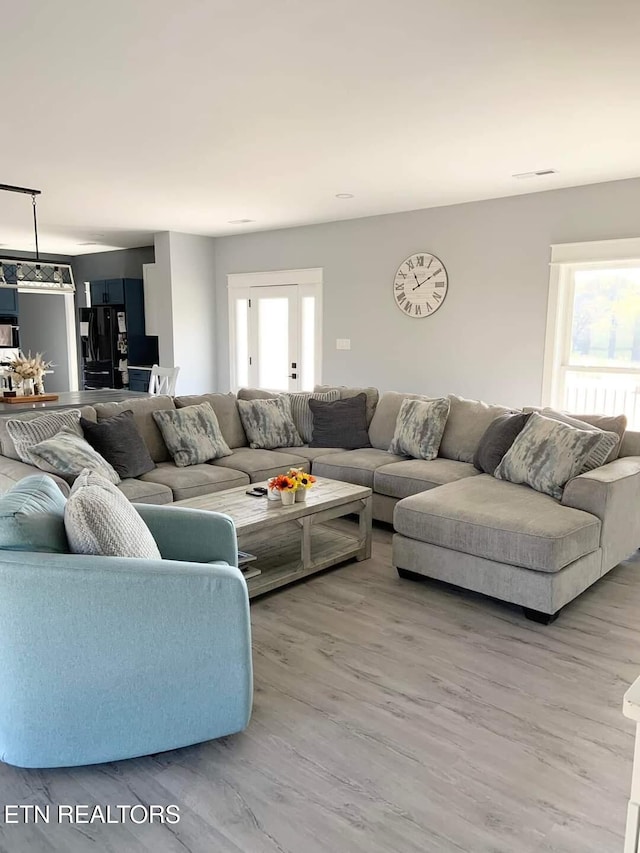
(11, 471)
(104, 658)
(196, 535)
(612, 493)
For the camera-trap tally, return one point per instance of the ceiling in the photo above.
(155, 115)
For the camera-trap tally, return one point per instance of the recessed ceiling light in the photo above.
(344, 195)
(240, 221)
(539, 173)
(89, 243)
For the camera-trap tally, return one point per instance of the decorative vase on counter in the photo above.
(288, 497)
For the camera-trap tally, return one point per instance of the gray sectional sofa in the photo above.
(451, 522)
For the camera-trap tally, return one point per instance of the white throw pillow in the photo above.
(99, 520)
(26, 433)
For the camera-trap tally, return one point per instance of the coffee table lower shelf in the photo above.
(280, 557)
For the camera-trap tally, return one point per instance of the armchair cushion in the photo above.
(32, 517)
(99, 520)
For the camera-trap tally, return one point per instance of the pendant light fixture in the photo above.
(42, 276)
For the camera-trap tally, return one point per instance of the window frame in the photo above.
(566, 260)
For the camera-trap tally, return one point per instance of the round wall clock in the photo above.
(420, 285)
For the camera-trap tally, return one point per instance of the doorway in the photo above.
(275, 330)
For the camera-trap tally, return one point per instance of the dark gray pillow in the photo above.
(340, 423)
(497, 439)
(118, 440)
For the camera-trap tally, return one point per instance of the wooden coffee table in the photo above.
(292, 542)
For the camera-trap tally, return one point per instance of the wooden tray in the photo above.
(32, 398)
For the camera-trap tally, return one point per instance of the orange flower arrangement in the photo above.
(283, 483)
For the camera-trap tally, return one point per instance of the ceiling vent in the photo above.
(539, 173)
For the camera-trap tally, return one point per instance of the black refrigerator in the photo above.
(107, 348)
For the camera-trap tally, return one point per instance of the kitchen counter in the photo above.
(74, 398)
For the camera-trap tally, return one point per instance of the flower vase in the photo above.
(273, 494)
(27, 387)
(301, 495)
(288, 497)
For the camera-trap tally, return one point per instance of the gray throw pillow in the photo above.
(301, 411)
(68, 453)
(547, 454)
(340, 423)
(419, 428)
(598, 457)
(497, 439)
(118, 440)
(25, 434)
(192, 434)
(99, 520)
(269, 423)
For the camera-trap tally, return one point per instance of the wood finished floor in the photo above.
(391, 717)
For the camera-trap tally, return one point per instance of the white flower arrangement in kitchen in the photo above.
(28, 371)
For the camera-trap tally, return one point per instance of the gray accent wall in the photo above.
(43, 328)
(487, 340)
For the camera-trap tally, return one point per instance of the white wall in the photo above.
(43, 328)
(181, 295)
(487, 340)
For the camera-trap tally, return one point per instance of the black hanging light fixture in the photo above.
(43, 276)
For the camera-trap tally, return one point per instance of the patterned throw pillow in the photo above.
(68, 453)
(269, 423)
(301, 412)
(192, 434)
(99, 520)
(547, 454)
(602, 452)
(25, 434)
(419, 428)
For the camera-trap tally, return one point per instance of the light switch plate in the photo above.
(343, 343)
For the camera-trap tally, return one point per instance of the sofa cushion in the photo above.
(262, 464)
(499, 521)
(354, 466)
(226, 409)
(8, 448)
(32, 517)
(143, 409)
(340, 423)
(268, 423)
(257, 394)
(497, 440)
(383, 423)
(25, 433)
(194, 480)
(548, 453)
(346, 392)
(401, 479)
(139, 492)
(310, 453)
(192, 434)
(419, 428)
(118, 440)
(68, 454)
(466, 424)
(100, 520)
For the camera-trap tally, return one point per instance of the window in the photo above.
(275, 329)
(592, 359)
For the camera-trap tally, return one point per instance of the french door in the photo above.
(275, 334)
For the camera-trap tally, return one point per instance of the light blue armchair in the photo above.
(105, 658)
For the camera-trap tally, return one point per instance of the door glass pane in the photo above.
(273, 343)
(605, 328)
(242, 342)
(308, 345)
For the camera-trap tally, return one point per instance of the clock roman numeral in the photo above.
(410, 264)
(418, 311)
(400, 299)
(428, 307)
(439, 283)
(408, 306)
(436, 296)
(403, 274)
(430, 262)
(420, 260)
(399, 286)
